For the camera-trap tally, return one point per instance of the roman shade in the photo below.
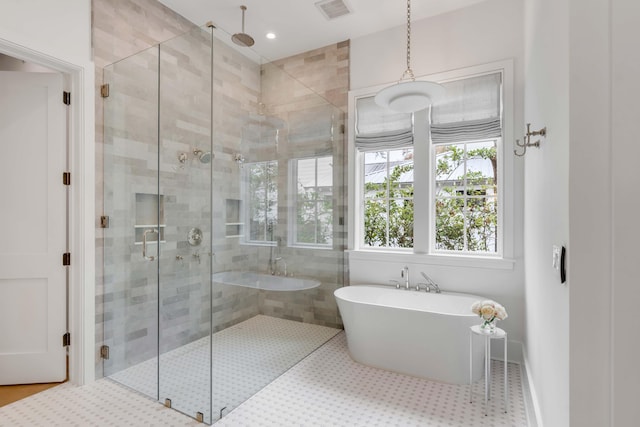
(470, 110)
(378, 128)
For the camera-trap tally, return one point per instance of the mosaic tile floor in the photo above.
(102, 403)
(329, 388)
(326, 388)
(246, 357)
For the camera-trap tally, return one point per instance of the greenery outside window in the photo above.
(261, 200)
(466, 197)
(388, 198)
(313, 201)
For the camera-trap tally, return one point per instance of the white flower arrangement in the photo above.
(489, 311)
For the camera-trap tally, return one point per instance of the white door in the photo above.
(32, 228)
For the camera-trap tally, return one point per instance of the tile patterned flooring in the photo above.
(326, 388)
(246, 357)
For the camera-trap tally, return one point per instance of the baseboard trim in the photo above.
(536, 417)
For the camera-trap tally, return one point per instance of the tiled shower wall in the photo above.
(315, 128)
(124, 27)
(120, 28)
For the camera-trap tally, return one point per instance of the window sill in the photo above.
(432, 259)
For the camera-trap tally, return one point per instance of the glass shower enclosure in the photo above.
(224, 188)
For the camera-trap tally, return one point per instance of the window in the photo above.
(261, 196)
(454, 151)
(313, 201)
(466, 201)
(388, 198)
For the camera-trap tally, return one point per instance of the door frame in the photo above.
(81, 210)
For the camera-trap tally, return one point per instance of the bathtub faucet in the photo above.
(430, 284)
(405, 275)
(275, 269)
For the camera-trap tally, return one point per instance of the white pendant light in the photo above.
(409, 95)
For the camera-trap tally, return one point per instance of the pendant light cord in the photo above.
(408, 72)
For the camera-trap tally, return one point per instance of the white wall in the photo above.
(590, 212)
(604, 182)
(487, 32)
(58, 35)
(590, 48)
(547, 205)
(625, 78)
(60, 29)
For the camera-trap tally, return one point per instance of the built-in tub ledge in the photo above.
(265, 282)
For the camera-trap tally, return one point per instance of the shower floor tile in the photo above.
(245, 358)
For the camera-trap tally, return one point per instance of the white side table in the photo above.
(497, 334)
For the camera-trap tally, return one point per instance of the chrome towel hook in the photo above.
(527, 138)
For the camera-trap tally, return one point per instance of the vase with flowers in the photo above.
(489, 311)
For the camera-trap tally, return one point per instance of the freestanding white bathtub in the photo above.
(416, 333)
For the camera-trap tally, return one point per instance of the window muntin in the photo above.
(261, 200)
(388, 199)
(465, 214)
(313, 201)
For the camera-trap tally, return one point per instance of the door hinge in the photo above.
(104, 221)
(104, 90)
(104, 352)
(66, 178)
(66, 340)
(66, 258)
(66, 98)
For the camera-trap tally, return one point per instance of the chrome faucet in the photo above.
(430, 284)
(275, 268)
(405, 275)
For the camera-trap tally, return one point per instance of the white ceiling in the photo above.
(300, 26)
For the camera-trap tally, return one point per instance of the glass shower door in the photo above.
(136, 229)
(185, 258)
(157, 249)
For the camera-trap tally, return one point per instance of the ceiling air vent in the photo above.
(332, 9)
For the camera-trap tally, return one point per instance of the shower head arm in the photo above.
(243, 9)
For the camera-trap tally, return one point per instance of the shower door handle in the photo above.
(144, 243)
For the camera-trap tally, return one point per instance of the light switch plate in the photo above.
(556, 258)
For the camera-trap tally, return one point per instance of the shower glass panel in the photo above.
(157, 262)
(224, 181)
(278, 188)
(185, 258)
(135, 209)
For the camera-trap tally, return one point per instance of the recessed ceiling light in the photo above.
(271, 36)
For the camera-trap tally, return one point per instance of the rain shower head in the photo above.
(243, 39)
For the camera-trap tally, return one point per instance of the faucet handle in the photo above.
(396, 283)
(427, 287)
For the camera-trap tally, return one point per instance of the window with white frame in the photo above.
(261, 200)
(466, 200)
(463, 133)
(388, 198)
(312, 179)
